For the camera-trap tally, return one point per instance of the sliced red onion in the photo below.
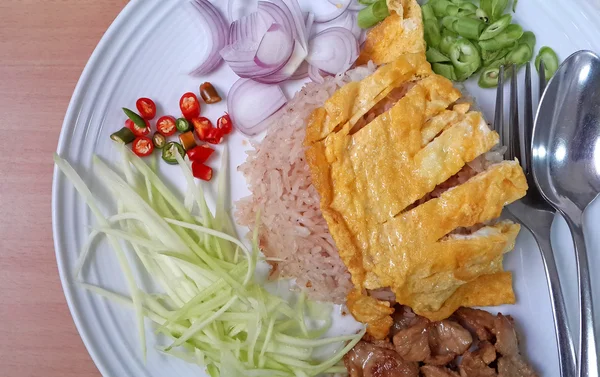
(277, 13)
(285, 72)
(335, 8)
(251, 27)
(302, 72)
(217, 25)
(298, 20)
(249, 103)
(275, 48)
(310, 19)
(347, 21)
(333, 50)
(315, 74)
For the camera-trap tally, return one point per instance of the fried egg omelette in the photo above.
(378, 150)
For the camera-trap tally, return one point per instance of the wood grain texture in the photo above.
(44, 45)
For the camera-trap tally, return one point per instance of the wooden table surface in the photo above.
(44, 45)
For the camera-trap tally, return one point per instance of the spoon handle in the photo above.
(566, 350)
(588, 357)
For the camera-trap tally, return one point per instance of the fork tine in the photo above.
(512, 131)
(542, 75)
(527, 129)
(499, 114)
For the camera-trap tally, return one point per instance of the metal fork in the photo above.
(533, 212)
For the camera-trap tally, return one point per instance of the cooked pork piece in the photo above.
(368, 360)
(434, 371)
(506, 337)
(412, 343)
(447, 339)
(473, 365)
(487, 352)
(514, 366)
(403, 318)
(478, 322)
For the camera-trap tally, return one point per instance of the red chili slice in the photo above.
(200, 153)
(166, 125)
(201, 171)
(224, 124)
(146, 107)
(138, 131)
(214, 136)
(189, 105)
(142, 146)
(202, 126)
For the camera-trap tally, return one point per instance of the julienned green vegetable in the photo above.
(550, 61)
(123, 136)
(212, 307)
(170, 151)
(135, 118)
(373, 14)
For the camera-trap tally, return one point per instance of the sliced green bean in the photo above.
(373, 14)
(469, 28)
(467, 6)
(493, 8)
(449, 21)
(489, 77)
(428, 13)
(367, 2)
(444, 69)
(433, 36)
(550, 61)
(448, 38)
(480, 13)
(435, 56)
(514, 8)
(524, 50)
(440, 7)
(508, 38)
(490, 57)
(496, 28)
(465, 58)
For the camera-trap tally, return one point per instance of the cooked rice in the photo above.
(292, 226)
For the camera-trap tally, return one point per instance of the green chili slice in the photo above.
(465, 58)
(507, 38)
(373, 14)
(467, 27)
(169, 150)
(124, 136)
(182, 125)
(433, 36)
(496, 28)
(435, 56)
(138, 120)
(444, 69)
(159, 140)
(550, 61)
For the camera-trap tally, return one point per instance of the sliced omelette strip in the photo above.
(399, 34)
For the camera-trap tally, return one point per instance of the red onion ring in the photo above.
(218, 27)
(275, 48)
(302, 72)
(250, 103)
(338, 7)
(315, 74)
(333, 50)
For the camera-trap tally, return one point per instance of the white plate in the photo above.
(148, 51)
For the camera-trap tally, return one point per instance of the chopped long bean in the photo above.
(373, 14)
(524, 50)
(444, 69)
(508, 38)
(496, 28)
(432, 33)
(465, 59)
(493, 8)
(435, 56)
(467, 27)
(550, 61)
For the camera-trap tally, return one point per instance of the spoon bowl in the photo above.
(566, 169)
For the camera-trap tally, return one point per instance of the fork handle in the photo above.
(588, 356)
(564, 341)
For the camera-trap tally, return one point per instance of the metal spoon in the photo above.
(566, 169)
